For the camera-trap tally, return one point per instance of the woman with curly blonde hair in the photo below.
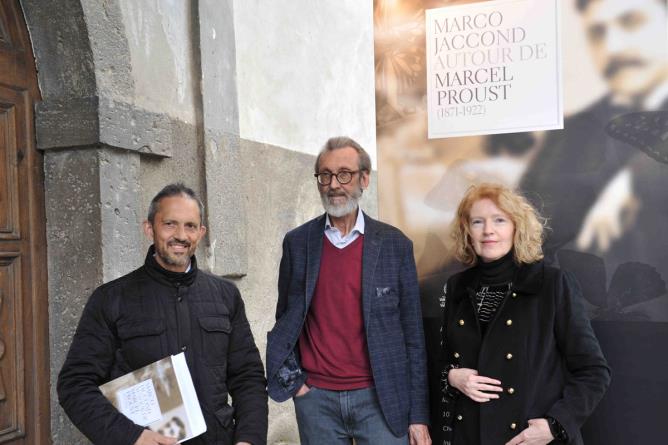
(520, 363)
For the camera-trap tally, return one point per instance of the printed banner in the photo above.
(601, 181)
(493, 67)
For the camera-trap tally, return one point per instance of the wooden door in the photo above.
(24, 364)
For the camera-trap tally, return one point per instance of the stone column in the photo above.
(225, 202)
(93, 236)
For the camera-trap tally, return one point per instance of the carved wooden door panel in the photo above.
(24, 369)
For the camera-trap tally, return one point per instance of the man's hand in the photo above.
(149, 437)
(537, 433)
(418, 434)
(475, 387)
(303, 390)
(611, 215)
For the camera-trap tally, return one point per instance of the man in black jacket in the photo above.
(165, 307)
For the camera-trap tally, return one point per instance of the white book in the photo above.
(160, 396)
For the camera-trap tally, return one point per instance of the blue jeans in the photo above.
(338, 417)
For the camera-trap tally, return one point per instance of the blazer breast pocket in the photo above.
(387, 297)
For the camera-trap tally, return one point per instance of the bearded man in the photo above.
(165, 307)
(348, 344)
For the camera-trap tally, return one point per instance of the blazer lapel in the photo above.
(370, 253)
(313, 252)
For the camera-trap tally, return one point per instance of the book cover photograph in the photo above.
(160, 396)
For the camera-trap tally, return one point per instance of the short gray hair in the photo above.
(177, 189)
(338, 142)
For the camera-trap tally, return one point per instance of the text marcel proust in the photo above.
(472, 57)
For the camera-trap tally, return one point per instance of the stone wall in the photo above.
(233, 98)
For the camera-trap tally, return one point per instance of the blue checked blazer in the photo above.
(392, 319)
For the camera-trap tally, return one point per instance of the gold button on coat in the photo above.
(514, 295)
(509, 356)
(456, 354)
(459, 417)
(461, 322)
(511, 390)
(509, 322)
(513, 426)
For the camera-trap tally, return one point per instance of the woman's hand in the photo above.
(476, 387)
(537, 433)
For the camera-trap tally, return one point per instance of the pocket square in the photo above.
(380, 291)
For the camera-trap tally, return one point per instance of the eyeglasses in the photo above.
(342, 177)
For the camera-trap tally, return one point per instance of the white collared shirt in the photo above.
(652, 101)
(657, 97)
(334, 235)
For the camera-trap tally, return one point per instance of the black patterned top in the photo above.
(495, 282)
(488, 298)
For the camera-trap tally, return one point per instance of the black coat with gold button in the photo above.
(539, 344)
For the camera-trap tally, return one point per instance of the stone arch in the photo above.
(85, 76)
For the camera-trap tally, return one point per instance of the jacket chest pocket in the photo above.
(141, 341)
(215, 336)
(387, 298)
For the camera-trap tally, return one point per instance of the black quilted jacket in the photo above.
(152, 313)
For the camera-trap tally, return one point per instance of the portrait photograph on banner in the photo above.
(486, 64)
(567, 103)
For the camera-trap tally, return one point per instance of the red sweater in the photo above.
(333, 345)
